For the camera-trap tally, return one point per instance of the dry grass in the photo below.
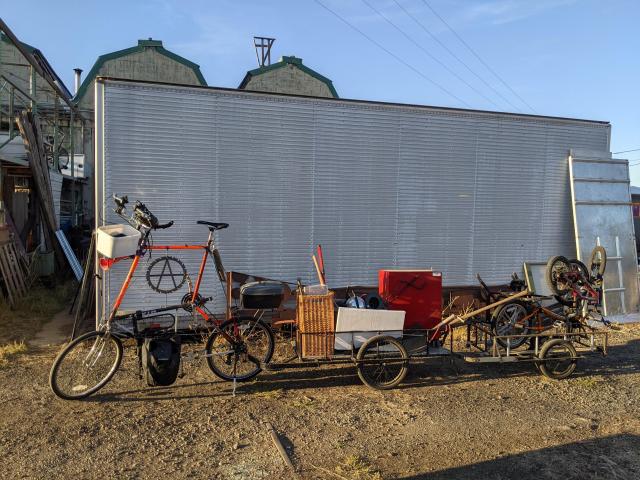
(13, 349)
(356, 468)
(304, 402)
(270, 394)
(34, 309)
(588, 382)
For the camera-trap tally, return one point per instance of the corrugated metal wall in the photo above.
(377, 185)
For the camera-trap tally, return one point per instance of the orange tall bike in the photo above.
(235, 349)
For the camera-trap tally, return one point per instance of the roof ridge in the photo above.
(289, 60)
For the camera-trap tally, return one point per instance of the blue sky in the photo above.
(574, 58)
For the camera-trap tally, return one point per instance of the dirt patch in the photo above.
(55, 331)
(467, 422)
(35, 309)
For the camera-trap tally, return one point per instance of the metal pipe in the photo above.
(56, 146)
(16, 87)
(72, 155)
(77, 80)
(32, 90)
(11, 96)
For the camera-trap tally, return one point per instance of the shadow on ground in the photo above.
(434, 371)
(613, 457)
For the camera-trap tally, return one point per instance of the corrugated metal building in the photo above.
(378, 185)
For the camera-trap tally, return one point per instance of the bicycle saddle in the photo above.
(213, 225)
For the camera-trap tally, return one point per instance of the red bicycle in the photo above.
(235, 349)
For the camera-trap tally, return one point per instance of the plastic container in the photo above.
(356, 325)
(116, 241)
(45, 264)
(417, 292)
(262, 295)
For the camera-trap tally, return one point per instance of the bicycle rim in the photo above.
(85, 365)
(241, 358)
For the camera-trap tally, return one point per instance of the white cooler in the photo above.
(117, 240)
(366, 323)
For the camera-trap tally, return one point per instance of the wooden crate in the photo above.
(316, 326)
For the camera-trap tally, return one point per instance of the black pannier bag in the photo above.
(161, 360)
(262, 295)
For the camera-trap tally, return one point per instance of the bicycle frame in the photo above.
(207, 248)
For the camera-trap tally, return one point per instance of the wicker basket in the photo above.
(316, 327)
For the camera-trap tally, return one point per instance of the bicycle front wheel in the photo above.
(85, 365)
(241, 350)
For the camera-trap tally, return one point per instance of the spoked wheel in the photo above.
(567, 298)
(557, 359)
(557, 267)
(598, 261)
(511, 319)
(382, 362)
(85, 365)
(581, 268)
(240, 357)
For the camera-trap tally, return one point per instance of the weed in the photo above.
(587, 382)
(270, 394)
(10, 350)
(304, 402)
(356, 468)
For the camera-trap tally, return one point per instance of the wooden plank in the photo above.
(31, 136)
(8, 283)
(15, 270)
(18, 273)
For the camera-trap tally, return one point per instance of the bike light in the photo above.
(107, 263)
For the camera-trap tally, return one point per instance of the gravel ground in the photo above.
(481, 422)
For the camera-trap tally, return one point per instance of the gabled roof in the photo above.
(284, 61)
(42, 61)
(142, 44)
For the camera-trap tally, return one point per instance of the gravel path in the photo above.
(484, 422)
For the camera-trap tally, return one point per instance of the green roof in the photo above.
(142, 44)
(284, 61)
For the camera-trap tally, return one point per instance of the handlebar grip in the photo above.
(120, 201)
(166, 225)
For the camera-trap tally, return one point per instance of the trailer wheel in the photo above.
(382, 362)
(557, 359)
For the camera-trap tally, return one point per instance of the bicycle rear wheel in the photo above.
(240, 354)
(85, 365)
(511, 319)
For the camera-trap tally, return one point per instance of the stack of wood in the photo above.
(34, 146)
(17, 271)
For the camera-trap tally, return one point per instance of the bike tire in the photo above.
(557, 347)
(580, 267)
(505, 313)
(54, 380)
(370, 353)
(264, 358)
(555, 266)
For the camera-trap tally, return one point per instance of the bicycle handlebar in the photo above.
(141, 216)
(164, 225)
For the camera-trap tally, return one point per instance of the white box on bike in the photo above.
(118, 240)
(354, 326)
